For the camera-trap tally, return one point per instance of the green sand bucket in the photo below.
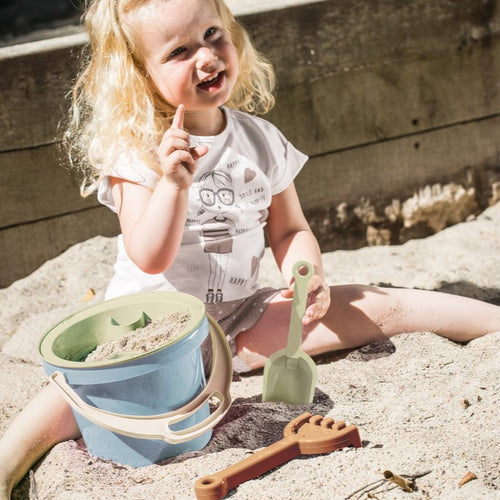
(138, 409)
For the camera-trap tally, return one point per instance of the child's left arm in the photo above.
(291, 239)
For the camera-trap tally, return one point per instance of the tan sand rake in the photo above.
(304, 435)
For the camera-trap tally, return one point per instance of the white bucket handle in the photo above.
(158, 426)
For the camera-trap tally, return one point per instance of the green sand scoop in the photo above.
(290, 374)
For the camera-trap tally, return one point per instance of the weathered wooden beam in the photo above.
(36, 185)
(26, 247)
(35, 78)
(399, 167)
(387, 101)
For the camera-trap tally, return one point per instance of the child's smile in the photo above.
(212, 84)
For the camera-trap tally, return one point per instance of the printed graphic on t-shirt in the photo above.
(231, 198)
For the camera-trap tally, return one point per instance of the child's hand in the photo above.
(178, 160)
(318, 299)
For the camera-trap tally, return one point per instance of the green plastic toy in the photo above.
(290, 374)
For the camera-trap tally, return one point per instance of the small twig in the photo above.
(418, 475)
(403, 483)
(408, 479)
(366, 488)
(33, 494)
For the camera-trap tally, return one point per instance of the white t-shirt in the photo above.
(223, 241)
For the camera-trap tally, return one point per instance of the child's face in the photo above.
(187, 53)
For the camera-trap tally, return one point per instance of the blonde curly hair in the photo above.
(113, 104)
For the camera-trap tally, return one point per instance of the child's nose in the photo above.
(206, 59)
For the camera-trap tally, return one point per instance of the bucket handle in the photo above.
(158, 426)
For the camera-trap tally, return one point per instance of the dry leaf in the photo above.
(89, 295)
(468, 477)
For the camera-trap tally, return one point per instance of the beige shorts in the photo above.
(237, 316)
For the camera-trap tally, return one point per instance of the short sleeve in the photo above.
(130, 169)
(287, 165)
(284, 173)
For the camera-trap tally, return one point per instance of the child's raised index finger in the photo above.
(178, 120)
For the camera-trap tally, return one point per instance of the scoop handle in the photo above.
(216, 486)
(299, 302)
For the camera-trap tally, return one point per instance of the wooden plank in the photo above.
(35, 185)
(329, 40)
(322, 38)
(388, 101)
(25, 248)
(32, 89)
(396, 168)
(245, 7)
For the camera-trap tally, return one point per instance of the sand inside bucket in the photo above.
(142, 340)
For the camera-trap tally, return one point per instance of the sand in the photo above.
(143, 340)
(425, 407)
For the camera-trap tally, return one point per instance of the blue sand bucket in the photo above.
(138, 409)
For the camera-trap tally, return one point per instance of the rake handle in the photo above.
(216, 486)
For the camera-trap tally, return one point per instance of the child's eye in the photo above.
(176, 52)
(211, 32)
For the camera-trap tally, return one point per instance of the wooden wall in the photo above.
(385, 96)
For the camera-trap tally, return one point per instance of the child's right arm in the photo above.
(152, 221)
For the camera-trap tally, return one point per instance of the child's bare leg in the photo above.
(362, 314)
(46, 421)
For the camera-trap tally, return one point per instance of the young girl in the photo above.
(160, 129)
